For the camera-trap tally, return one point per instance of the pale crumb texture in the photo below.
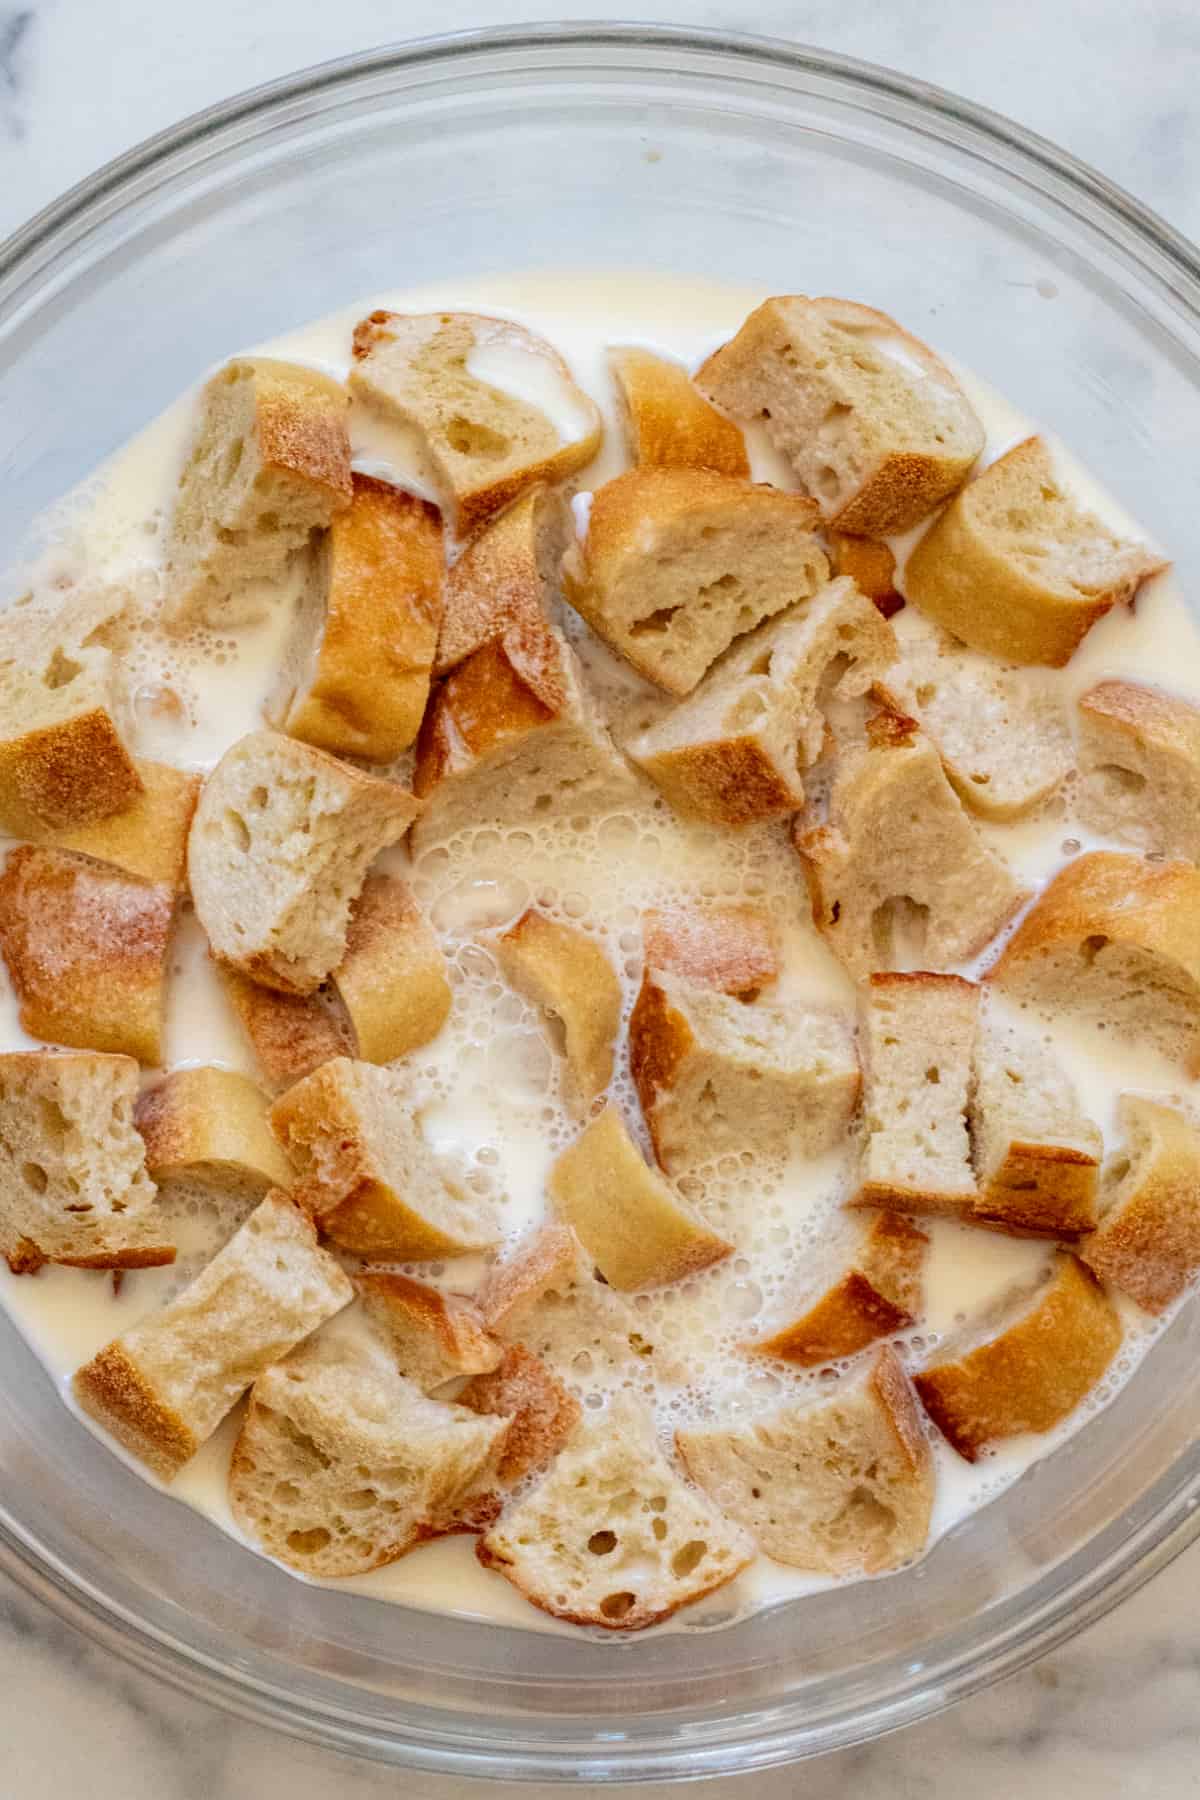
(435, 1336)
(564, 971)
(736, 749)
(542, 1415)
(612, 1536)
(731, 948)
(343, 1465)
(714, 1073)
(1139, 767)
(880, 1293)
(1016, 569)
(209, 1125)
(1148, 1240)
(1037, 1154)
(917, 1037)
(74, 1186)
(392, 980)
(278, 853)
(164, 1387)
(841, 1487)
(876, 428)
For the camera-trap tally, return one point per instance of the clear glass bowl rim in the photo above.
(1170, 1518)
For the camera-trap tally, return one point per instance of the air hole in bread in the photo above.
(602, 1543)
(238, 830)
(61, 670)
(689, 1556)
(307, 1543)
(1092, 946)
(827, 482)
(470, 437)
(1121, 780)
(232, 462)
(267, 522)
(653, 622)
(900, 927)
(52, 1121)
(617, 1606)
(933, 1074)
(659, 1528)
(35, 1177)
(235, 539)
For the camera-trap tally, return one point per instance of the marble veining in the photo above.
(1113, 1713)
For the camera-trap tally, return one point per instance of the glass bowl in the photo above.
(564, 148)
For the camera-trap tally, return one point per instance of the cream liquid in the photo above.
(492, 1079)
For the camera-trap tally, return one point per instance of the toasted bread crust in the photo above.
(564, 971)
(1040, 1190)
(444, 1333)
(147, 838)
(1148, 1240)
(290, 1034)
(70, 774)
(487, 701)
(874, 1299)
(210, 1122)
(505, 582)
(870, 565)
(730, 948)
(542, 1413)
(392, 980)
(668, 422)
(301, 425)
(112, 1390)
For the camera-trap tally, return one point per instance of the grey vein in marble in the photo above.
(14, 32)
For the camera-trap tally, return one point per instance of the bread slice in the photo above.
(1053, 1349)
(564, 971)
(897, 874)
(548, 1263)
(1116, 941)
(541, 1413)
(148, 838)
(677, 563)
(353, 1131)
(1016, 568)
(73, 1181)
(279, 849)
(737, 748)
(270, 464)
(840, 1486)
(86, 950)
(163, 1388)
(717, 1075)
(668, 424)
(612, 1536)
(209, 1126)
(730, 948)
(879, 1294)
(870, 565)
(447, 376)
(1001, 732)
(343, 1466)
(290, 1034)
(545, 1295)
(356, 678)
(877, 429)
(512, 735)
(505, 583)
(639, 1230)
(64, 759)
(1139, 767)
(917, 1038)
(1037, 1155)
(1148, 1239)
(392, 980)
(434, 1336)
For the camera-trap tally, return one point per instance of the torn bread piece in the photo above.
(666, 419)
(163, 1388)
(879, 1294)
(564, 971)
(541, 1413)
(342, 1465)
(917, 1037)
(737, 748)
(716, 1075)
(840, 1486)
(1115, 941)
(1001, 732)
(209, 1126)
(1148, 1239)
(64, 758)
(367, 1175)
(1016, 568)
(639, 1230)
(86, 950)
(512, 734)
(677, 563)
(73, 1181)
(1029, 1366)
(1139, 767)
(278, 852)
(269, 465)
(290, 1034)
(434, 1336)
(505, 583)
(147, 838)
(357, 674)
(732, 948)
(897, 873)
(456, 379)
(871, 565)
(392, 980)
(875, 426)
(1037, 1155)
(612, 1536)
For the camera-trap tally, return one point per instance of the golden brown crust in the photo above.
(210, 1123)
(112, 1390)
(444, 1332)
(392, 980)
(730, 948)
(504, 582)
(1040, 1190)
(870, 565)
(564, 971)
(660, 1040)
(86, 948)
(383, 573)
(64, 775)
(668, 422)
(488, 700)
(1030, 1376)
(302, 425)
(1148, 1242)
(546, 1261)
(872, 1300)
(147, 838)
(290, 1034)
(543, 1414)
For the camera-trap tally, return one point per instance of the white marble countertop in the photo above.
(1117, 83)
